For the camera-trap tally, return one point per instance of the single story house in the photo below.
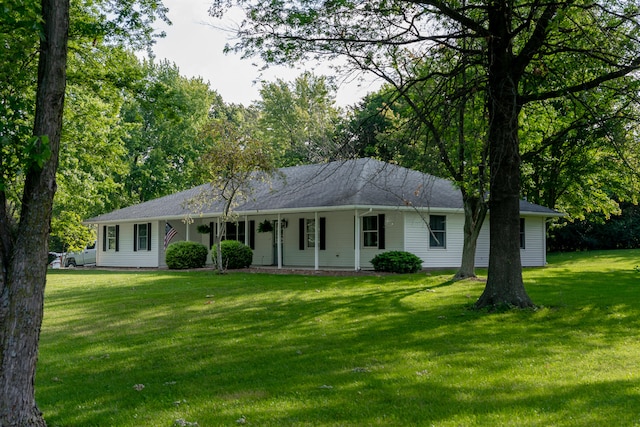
(332, 215)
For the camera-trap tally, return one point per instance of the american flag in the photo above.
(169, 232)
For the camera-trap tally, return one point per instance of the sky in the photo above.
(195, 43)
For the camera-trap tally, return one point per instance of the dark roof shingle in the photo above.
(360, 182)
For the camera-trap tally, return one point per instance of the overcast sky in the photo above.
(195, 42)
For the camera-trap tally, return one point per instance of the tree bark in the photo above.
(505, 286)
(24, 256)
(475, 211)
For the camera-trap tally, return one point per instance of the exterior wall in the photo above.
(534, 253)
(340, 240)
(403, 231)
(126, 256)
(417, 240)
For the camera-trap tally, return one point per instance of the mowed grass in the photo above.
(168, 348)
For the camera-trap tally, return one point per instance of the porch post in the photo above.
(246, 230)
(187, 233)
(279, 241)
(357, 240)
(316, 240)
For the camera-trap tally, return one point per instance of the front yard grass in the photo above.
(165, 348)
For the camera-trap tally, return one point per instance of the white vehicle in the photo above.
(84, 257)
(56, 260)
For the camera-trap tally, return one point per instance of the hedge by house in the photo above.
(397, 262)
(234, 254)
(182, 255)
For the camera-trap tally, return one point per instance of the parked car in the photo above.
(84, 257)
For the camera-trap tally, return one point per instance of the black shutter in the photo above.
(117, 238)
(381, 231)
(135, 237)
(104, 238)
(211, 233)
(323, 234)
(302, 235)
(252, 234)
(148, 236)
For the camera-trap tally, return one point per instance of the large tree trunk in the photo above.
(23, 257)
(475, 211)
(505, 286)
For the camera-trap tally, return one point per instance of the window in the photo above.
(370, 231)
(311, 233)
(234, 231)
(522, 235)
(373, 231)
(438, 231)
(142, 237)
(111, 237)
(307, 233)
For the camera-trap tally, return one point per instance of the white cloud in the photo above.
(195, 43)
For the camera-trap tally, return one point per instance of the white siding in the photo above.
(482, 246)
(534, 253)
(126, 256)
(417, 240)
(403, 231)
(339, 251)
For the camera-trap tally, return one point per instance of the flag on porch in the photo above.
(169, 232)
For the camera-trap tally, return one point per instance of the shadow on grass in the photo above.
(299, 350)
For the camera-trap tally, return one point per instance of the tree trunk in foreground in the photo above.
(23, 252)
(505, 286)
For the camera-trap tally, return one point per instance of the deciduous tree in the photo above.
(23, 239)
(36, 33)
(299, 119)
(235, 157)
(512, 40)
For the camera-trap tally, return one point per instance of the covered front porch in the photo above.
(335, 240)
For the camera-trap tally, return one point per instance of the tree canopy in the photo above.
(31, 111)
(528, 52)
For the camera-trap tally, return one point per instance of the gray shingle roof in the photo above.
(350, 183)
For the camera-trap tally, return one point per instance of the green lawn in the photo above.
(179, 348)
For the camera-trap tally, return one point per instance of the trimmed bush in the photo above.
(234, 255)
(397, 262)
(181, 255)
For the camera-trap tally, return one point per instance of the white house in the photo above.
(333, 215)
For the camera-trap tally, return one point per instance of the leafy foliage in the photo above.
(182, 255)
(397, 262)
(163, 117)
(298, 120)
(236, 155)
(235, 254)
(522, 52)
(596, 232)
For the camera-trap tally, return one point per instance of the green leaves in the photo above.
(38, 151)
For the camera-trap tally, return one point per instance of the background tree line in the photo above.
(138, 129)
(510, 99)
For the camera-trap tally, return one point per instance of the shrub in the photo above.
(234, 254)
(181, 255)
(397, 262)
